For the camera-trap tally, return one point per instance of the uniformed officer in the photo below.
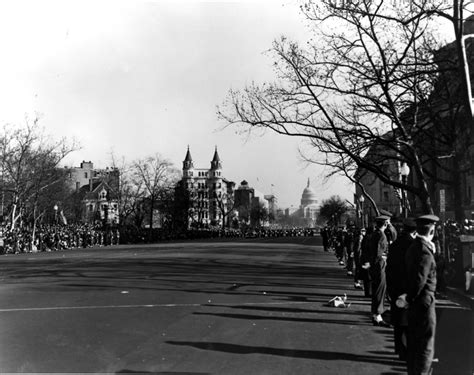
(390, 231)
(396, 284)
(377, 252)
(421, 287)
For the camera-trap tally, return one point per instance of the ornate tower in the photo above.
(188, 165)
(216, 189)
(216, 161)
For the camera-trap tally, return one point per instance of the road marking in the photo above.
(153, 305)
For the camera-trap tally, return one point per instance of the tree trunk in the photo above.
(425, 199)
(152, 205)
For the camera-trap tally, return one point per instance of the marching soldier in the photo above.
(421, 287)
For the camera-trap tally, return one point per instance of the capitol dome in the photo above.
(309, 196)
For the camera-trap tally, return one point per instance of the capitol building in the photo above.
(307, 213)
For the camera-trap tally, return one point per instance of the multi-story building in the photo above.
(253, 207)
(210, 194)
(96, 191)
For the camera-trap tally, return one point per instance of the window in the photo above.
(85, 175)
(385, 196)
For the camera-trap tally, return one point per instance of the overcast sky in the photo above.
(141, 77)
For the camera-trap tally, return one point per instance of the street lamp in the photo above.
(55, 213)
(361, 201)
(404, 171)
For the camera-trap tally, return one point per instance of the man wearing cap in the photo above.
(421, 287)
(377, 252)
(396, 284)
(390, 231)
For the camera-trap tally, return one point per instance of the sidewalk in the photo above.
(460, 296)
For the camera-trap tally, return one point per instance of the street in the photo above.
(219, 307)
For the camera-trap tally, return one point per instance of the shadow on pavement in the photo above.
(293, 353)
(285, 319)
(126, 371)
(294, 310)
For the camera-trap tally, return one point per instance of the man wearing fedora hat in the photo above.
(421, 287)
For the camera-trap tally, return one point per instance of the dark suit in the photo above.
(325, 236)
(421, 287)
(364, 258)
(396, 286)
(377, 247)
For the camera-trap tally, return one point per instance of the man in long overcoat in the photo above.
(421, 287)
(396, 284)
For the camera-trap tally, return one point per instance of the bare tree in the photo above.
(356, 88)
(333, 208)
(226, 206)
(130, 191)
(258, 214)
(154, 177)
(30, 162)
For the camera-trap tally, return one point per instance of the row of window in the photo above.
(205, 195)
(204, 174)
(203, 185)
(103, 207)
(202, 204)
(205, 215)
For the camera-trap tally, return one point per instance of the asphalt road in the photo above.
(249, 307)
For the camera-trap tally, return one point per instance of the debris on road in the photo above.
(338, 301)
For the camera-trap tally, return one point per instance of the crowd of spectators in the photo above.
(133, 235)
(64, 237)
(56, 237)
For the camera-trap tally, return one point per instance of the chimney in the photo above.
(90, 184)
